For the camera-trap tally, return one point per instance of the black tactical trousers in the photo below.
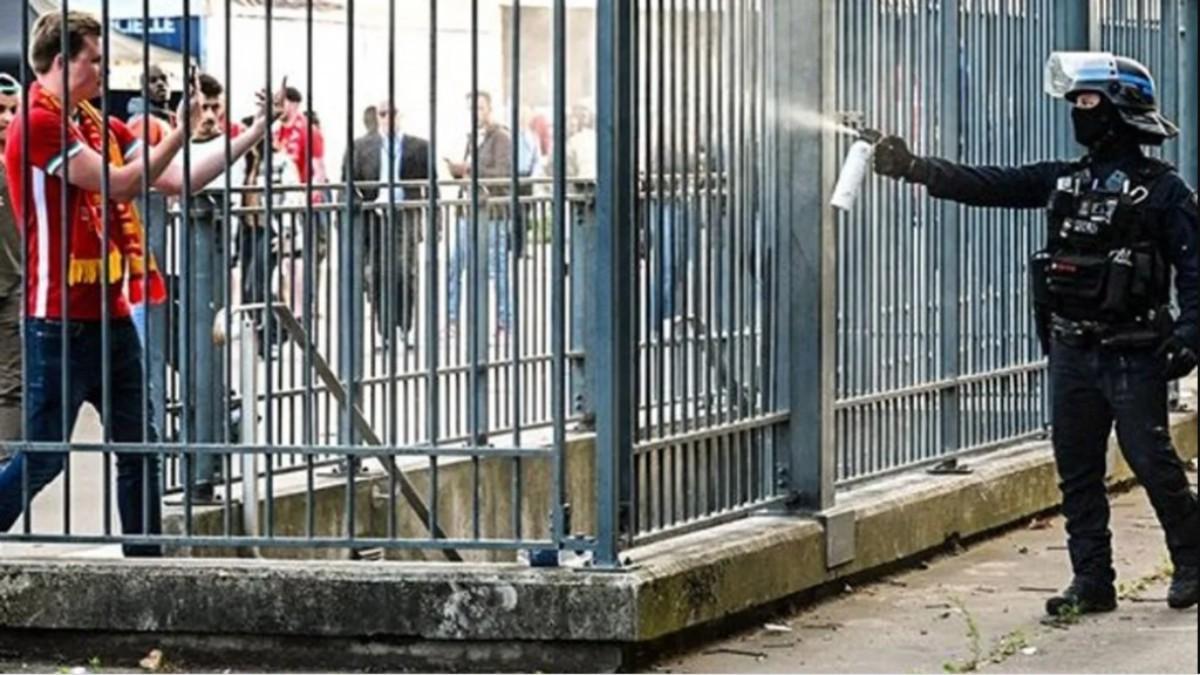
(1091, 388)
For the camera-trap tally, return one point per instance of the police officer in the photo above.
(1118, 222)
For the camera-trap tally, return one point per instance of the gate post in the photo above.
(803, 36)
(614, 280)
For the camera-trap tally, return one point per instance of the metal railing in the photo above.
(393, 365)
(704, 411)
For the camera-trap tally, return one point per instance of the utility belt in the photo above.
(1148, 331)
(1115, 286)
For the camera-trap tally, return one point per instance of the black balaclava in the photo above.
(1097, 127)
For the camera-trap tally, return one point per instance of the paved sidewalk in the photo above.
(980, 609)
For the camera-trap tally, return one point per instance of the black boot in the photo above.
(1083, 597)
(1183, 588)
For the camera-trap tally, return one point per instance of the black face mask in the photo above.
(1093, 125)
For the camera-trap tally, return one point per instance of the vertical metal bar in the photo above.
(268, 318)
(679, 227)
(149, 362)
(615, 260)
(558, 406)
(186, 376)
(26, 197)
(227, 291)
(312, 275)
(105, 309)
(516, 222)
(658, 250)
(679, 477)
(432, 346)
(713, 188)
(1141, 28)
(640, 53)
(949, 148)
(1190, 94)
(737, 249)
(695, 313)
(249, 388)
(63, 259)
(391, 342)
(349, 297)
(724, 321)
(479, 279)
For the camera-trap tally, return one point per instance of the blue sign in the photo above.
(165, 32)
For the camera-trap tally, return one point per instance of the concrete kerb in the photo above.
(673, 586)
(753, 563)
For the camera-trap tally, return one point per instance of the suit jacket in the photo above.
(366, 165)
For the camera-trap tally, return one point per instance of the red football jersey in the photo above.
(43, 216)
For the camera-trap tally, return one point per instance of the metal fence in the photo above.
(938, 352)
(315, 323)
(296, 406)
(1156, 32)
(736, 345)
(705, 268)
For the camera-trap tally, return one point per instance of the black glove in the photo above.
(894, 160)
(1179, 359)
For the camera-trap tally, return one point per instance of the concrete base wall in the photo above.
(455, 508)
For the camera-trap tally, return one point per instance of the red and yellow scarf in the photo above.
(126, 250)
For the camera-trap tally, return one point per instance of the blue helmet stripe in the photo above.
(1103, 75)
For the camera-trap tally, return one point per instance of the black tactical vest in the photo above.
(1102, 262)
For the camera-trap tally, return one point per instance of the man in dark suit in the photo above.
(401, 162)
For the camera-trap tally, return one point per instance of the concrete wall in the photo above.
(455, 508)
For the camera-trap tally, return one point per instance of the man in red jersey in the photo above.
(74, 283)
(293, 134)
(300, 136)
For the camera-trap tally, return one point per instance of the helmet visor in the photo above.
(1068, 72)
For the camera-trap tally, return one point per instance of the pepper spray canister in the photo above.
(855, 169)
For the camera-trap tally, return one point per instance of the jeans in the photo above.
(169, 352)
(497, 243)
(258, 269)
(1091, 388)
(137, 474)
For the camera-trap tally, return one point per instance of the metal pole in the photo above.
(615, 260)
(1189, 108)
(949, 148)
(1095, 33)
(803, 35)
(583, 328)
(206, 384)
(249, 388)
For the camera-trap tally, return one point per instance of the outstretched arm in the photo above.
(1021, 187)
(205, 168)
